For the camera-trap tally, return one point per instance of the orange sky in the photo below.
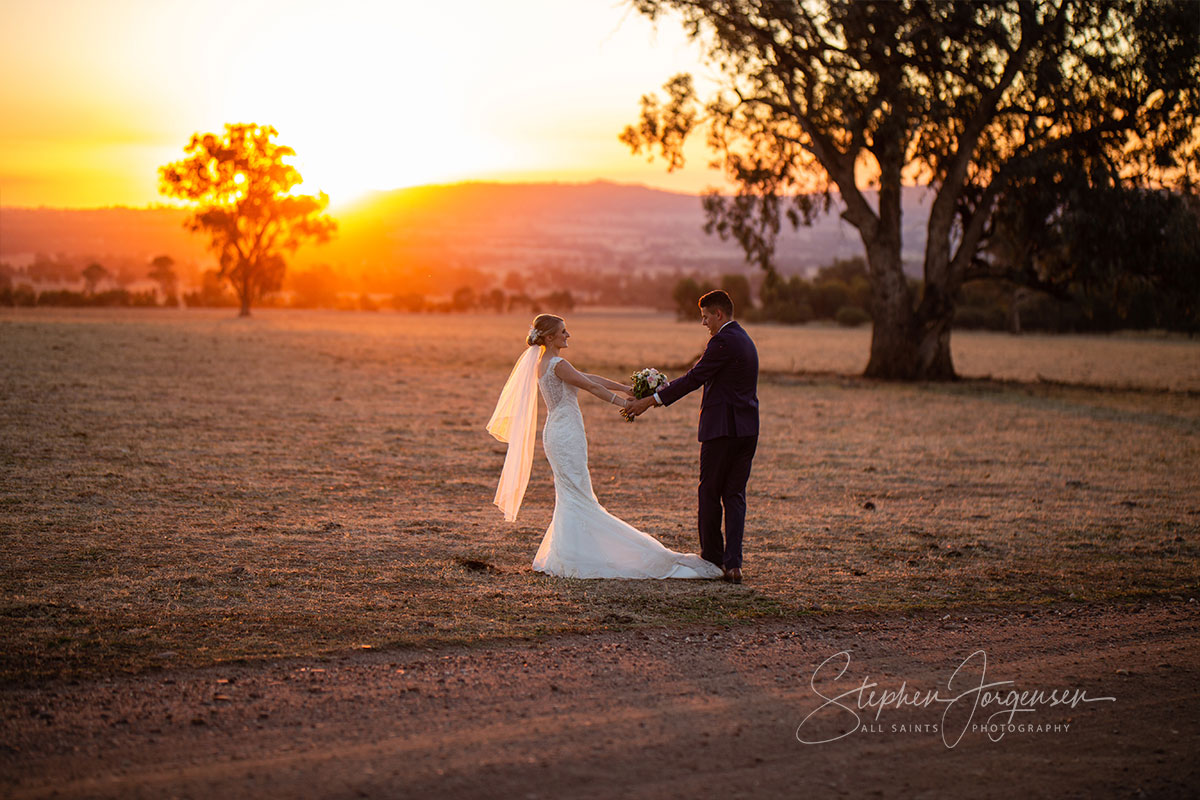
(372, 95)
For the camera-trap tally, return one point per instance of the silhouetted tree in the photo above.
(495, 300)
(23, 294)
(1098, 244)
(738, 289)
(560, 301)
(827, 297)
(163, 271)
(315, 288)
(786, 301)
(46, 269)
(687, 294)
(524, 302)
(408, 302)
(241, 185)
(212, 292)
(844, 270)
(980, 100)
(463, 299)
(92, 275)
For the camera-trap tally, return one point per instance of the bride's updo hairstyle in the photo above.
(543, 325)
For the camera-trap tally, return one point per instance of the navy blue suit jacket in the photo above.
(728, 371)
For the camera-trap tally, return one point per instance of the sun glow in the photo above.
(370, 95)
(370, 102)
(401, 158)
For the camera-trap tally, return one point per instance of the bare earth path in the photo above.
(650, 713)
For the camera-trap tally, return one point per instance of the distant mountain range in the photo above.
(484, 227)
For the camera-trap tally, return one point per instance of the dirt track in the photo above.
(653, 713)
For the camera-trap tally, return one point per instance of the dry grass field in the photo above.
(186, 487)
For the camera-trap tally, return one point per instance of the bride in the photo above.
(583, 540)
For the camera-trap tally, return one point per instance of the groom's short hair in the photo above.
(718, 300)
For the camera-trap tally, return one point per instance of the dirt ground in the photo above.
(259, 557)
(668, 712)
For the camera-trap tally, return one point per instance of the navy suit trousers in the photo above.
(724, 470)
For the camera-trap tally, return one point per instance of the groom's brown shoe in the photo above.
(733, 575)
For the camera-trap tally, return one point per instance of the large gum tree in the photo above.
(839, 104)
(240, 185)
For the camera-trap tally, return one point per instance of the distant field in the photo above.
(188, 487)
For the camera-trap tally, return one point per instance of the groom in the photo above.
(728, 371)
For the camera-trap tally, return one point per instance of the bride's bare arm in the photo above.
(569, 374)
(607, 384)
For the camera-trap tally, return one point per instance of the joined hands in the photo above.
(635, 408)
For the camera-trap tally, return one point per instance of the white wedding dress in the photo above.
(584, 540)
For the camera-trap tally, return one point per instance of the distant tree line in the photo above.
(25, 295)
(1000, 306)
(14, 292)
(841, 292)
(321, 287)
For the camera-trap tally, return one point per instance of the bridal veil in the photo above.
(515, 421)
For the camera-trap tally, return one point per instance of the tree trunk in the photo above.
(934, 362)
(245, 293)
(892, 351)
(1014, 312)
(911, 352)
(907, 343)
(905, 346)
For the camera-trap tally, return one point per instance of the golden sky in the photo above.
(97, 94)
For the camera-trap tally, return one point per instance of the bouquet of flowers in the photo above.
(646, 382)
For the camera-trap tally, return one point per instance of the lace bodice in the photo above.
(555, 392)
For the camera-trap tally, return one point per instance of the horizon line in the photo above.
(371, 193)
(365, 197)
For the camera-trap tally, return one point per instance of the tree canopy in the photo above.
(242, 187)
(995, 104)
(92, 275)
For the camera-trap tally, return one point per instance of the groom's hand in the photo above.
(638, 407)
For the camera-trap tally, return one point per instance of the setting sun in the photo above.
(371, 96)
